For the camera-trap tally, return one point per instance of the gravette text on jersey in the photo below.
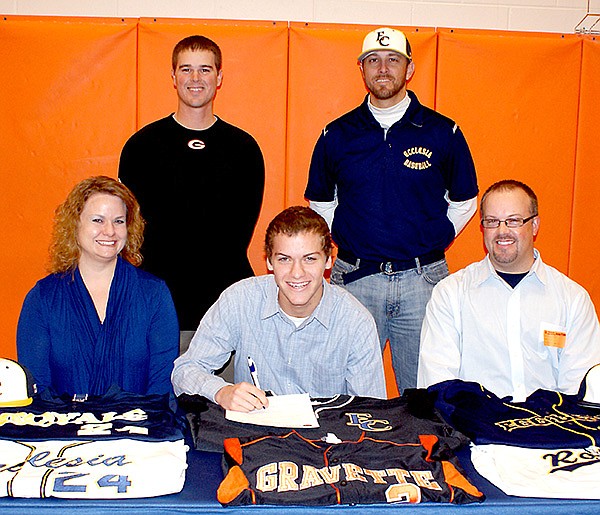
(285, 476)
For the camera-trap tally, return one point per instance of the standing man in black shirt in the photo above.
(199, 182)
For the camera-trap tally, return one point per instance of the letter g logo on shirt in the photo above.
(196, 144)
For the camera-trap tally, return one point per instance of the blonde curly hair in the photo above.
(64, 249)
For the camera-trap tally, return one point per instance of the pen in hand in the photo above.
(254, 376)
(253, 373)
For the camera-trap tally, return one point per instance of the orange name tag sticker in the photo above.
(555, 339)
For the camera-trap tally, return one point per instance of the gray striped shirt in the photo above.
(334, 351)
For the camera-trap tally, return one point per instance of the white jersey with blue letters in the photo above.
(558, 473)
(115, 446)
(114, 469)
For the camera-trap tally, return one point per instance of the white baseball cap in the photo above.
(388, 39)
(16, 384)
(589, 391)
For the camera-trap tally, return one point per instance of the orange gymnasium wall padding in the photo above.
(584, 265)
(515, 97)
(67, 102)
(76, 88)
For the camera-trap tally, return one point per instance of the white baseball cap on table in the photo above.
(16, 384)
(589, 391)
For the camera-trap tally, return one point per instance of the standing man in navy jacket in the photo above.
(401, 182)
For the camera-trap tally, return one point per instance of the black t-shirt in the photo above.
(200, 192)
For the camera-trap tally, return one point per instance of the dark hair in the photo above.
(196, 44)
(64, 249)
(508, 185)
(295, 220)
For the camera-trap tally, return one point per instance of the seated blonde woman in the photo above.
(97, 320)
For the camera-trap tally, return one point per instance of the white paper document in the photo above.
(294, 411)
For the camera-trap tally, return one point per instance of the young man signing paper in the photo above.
(303, 334)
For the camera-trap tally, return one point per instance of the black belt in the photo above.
(367, 267)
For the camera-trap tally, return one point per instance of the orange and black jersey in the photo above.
(292, 470)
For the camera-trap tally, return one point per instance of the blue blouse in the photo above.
(63, 343)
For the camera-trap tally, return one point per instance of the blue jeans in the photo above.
(397, 302)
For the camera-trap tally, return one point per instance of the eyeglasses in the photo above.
(512, 223)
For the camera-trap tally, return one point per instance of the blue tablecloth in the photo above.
(204, 475)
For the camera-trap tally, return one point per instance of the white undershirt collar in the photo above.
(388, 116)
(191, 128)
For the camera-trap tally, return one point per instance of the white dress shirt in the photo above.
(544, 333)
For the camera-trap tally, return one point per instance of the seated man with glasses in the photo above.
(509, 322)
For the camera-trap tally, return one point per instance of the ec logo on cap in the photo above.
(382, 39)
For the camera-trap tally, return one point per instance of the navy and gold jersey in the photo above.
(546, 419)
(116, 414)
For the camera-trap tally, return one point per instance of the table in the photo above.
(204, 475)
